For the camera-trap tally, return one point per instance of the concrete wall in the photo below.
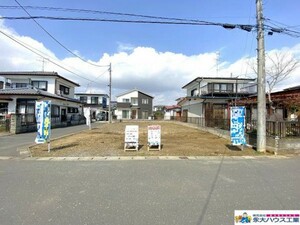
(16, 127)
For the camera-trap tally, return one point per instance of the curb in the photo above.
(140, 158)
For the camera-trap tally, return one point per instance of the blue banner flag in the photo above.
(43, 120)
(237, 125)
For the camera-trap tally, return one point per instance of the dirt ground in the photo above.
(108, 140)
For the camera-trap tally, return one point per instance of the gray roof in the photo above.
(127, 92)
(91, 94)
(36, 73)
(33, 92)
(218, 78)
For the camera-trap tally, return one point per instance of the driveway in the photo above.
(10, 145)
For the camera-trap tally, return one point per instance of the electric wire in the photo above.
(58, 42)
(169, 20)
(41, 55)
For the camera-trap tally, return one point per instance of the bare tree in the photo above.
(279, 67)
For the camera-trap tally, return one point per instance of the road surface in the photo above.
(198, 192)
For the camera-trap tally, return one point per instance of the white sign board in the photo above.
(132, 136)
(154, 135)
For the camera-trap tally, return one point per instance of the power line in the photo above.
(33, 50)
(170, 20)
(101, 12)
(158, 20)
(246, 27)
(58, 42)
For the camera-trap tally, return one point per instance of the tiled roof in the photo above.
(33, 91)
(36, 73)
(172, 107)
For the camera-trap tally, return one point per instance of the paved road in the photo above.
(11, 144)
(198, 192)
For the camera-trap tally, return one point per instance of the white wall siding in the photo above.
(130, 95)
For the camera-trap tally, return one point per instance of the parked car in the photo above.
(101, 116)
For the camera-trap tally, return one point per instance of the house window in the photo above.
(3, 108)
(216, 87)
(42, 85)
(145, 115)
(125, 100)
(26, 107)
(194, 92)
(94, 100)
(21, 85)
(72, 110)
(223, 87)
(134, 101)
(125, 114)
(54, 111)
(144, 101)
(230, 87)
(64, 90)
(83, 99)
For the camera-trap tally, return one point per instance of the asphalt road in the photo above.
(198, 192)
(10, 145)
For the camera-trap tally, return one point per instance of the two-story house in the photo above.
(20, 90)
(134, 104)
(97, 103)
(207, 97)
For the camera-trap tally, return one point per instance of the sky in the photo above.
(157, 59)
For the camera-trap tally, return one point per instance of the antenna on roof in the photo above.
(217, 62)
(44, 61)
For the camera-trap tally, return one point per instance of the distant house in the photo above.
(158, 108)
(96, 102)
(20, 90)
(285, 102)
(172, 111)
(207, 97)
(134, 104)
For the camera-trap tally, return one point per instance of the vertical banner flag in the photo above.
(237, 125)
(43, 121)
(87, 115)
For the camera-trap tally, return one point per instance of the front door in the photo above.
(63, 115)
(133, 114)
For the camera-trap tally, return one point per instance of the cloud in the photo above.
(160, 74)
(125, 47)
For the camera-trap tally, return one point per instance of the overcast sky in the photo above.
(156, 58)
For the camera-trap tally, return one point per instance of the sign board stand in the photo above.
(154, 137)
(237, 126)
(131, 138)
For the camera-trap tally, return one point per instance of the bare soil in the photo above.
(178, 139)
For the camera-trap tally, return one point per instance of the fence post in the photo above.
(276, 144)
(13, 124)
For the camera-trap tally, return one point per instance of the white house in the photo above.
(96, 102)
(172, 112)
(207, 97)
(20, 90)
(134, 104)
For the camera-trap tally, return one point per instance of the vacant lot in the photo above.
(108, 140)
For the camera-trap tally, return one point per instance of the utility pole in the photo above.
(109, 107)
(261, 80)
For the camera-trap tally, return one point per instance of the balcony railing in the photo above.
(240, 88)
